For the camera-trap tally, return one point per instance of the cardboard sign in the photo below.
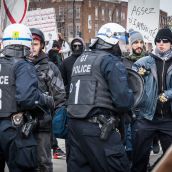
(143, 16)
(45, 20)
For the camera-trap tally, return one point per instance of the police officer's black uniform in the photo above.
(98, 89)
(18, 94)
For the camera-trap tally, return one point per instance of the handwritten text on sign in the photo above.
(43, 19)
(143, 16)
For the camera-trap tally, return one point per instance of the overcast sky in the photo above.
(165, 5)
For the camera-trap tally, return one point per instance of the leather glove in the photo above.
(143, 71)
(163, 98)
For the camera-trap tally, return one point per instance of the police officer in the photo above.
(99, 89)
(50, 82)
(18, 94)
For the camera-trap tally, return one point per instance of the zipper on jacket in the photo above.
(163, 74)
(162, 112)
(162, 89)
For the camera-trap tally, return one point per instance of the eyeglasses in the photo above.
(163, 40)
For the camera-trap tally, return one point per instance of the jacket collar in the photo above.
(153, 67)
(163, 55)
(42, 58)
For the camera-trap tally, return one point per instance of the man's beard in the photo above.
(138, 54)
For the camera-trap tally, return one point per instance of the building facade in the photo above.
(84, 17)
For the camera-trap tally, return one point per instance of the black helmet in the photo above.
(39, 33)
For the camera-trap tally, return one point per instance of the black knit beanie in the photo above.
(164, 34)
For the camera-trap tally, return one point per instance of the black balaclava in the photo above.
(77, 46)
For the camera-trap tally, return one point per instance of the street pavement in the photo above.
(59, 165)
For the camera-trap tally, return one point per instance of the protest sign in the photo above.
(45, 20)
(143, 16)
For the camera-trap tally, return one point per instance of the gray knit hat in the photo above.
(134, 36)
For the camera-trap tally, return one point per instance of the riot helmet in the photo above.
(111, 35)
(38, 34)
(17, 40)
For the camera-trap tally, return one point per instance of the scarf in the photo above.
(163, 55)
(135, 57)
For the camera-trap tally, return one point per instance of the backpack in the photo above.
(59, 123)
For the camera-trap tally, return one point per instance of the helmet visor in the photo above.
(123, 42)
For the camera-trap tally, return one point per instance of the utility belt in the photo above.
(23, 143)
(106, 124)
(24, 120)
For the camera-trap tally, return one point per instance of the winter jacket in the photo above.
(51, 83)
(147, 106)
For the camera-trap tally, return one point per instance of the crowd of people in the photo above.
(107, 130)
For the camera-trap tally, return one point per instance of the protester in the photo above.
(138, 51)
(77, 47)
(154, 112)
(56, 58)
(49, 43)
(136, 43)
(51, 83)
(149, 47)
(54, 55)
(65, 48)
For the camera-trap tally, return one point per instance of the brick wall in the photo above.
(114, 11)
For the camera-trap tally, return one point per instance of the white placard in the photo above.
(45, 20)
(143, 16)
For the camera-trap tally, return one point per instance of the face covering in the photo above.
(77, 48)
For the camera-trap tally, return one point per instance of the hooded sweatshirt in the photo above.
(67, 64)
